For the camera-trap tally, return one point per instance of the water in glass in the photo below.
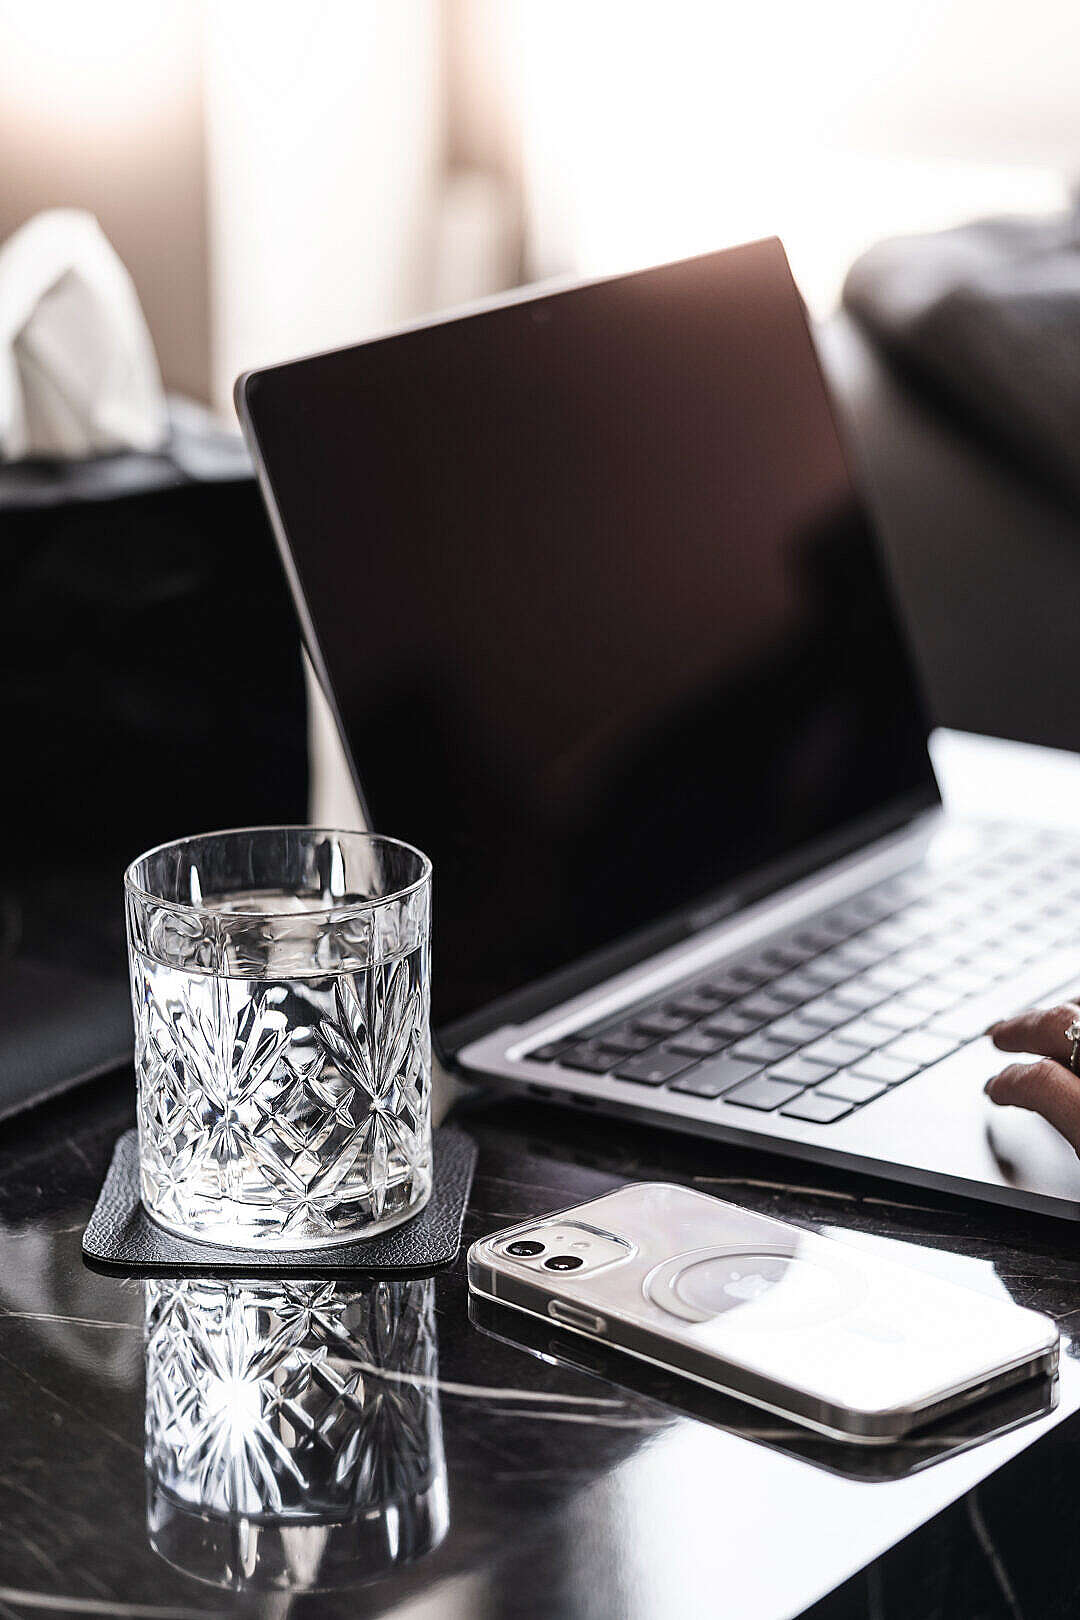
(284, 1083)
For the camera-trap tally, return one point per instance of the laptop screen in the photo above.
(605, 625)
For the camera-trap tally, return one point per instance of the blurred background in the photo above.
(281, 177)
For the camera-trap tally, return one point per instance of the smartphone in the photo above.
(1008, 1407)
(848, 1343)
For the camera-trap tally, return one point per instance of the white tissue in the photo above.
(78, 373)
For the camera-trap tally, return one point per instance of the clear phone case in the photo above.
(842, 1339)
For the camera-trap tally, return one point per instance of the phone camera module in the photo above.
(564, 1262)
(525, 1248)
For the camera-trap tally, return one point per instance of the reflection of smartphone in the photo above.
(847, 1342)
(996, 1414)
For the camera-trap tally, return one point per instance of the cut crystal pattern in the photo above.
(280, 1111)
(292, 1404)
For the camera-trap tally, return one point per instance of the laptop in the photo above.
(605, 629)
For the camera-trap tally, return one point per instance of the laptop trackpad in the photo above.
(1029, 1153)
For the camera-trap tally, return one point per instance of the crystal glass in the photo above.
(281, 990)
(293, 1434)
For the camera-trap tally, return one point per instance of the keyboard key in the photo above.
(849, 917)
(893, 977)
(653, 1068)
(840, 1053)
(901, 926)
(826, 971)
(731, 1024)
(794, 1028)
(826, 1012)
(550, 1051)
(734, 981)
(693, 1004)
(590, 1057)
(762, 1094)
(797, 985)
(970, 1017)
(932, 910)
(758, 968)
(823, 935)
(989, 965)
(697, 1043)
(899, 1013)
(660, 1022)
(892, 935)
(907, 886)
(852, 1088)
(929, 961)
(862, 953)
(931, 996)
(966, 1021)
(965, 984)
(817, 1109)
(922, 1048)
(872, 906)
(799, 1071)
(761, 1049)
(859, 994)
(790, 999)
(786, 955)
(763, 1006)
(724, 986)
(713, 1078)
(624, 1039)
(890, 1070)
(865, 1032)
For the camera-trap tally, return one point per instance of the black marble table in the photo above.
(497, 1483)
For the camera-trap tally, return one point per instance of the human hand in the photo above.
(1049, 1086)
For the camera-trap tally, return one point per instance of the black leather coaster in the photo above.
(121, 1234)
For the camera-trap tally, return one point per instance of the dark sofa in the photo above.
(987, 562)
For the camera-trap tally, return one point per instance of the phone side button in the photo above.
(574, 1316)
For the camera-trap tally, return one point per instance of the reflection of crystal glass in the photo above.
(280, 987)
(293, 1436)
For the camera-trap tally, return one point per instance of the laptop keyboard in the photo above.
(825, 1020)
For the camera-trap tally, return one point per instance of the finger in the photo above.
(1040, 1030)
(1045, 1088)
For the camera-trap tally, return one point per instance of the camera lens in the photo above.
(525, 1247)
(564, 1262)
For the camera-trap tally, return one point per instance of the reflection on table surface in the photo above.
(1028, 1399)
(293, 1438)
(324, 1449)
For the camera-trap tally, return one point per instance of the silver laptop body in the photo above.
(932, 1127)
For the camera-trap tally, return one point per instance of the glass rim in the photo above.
(347, 907)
